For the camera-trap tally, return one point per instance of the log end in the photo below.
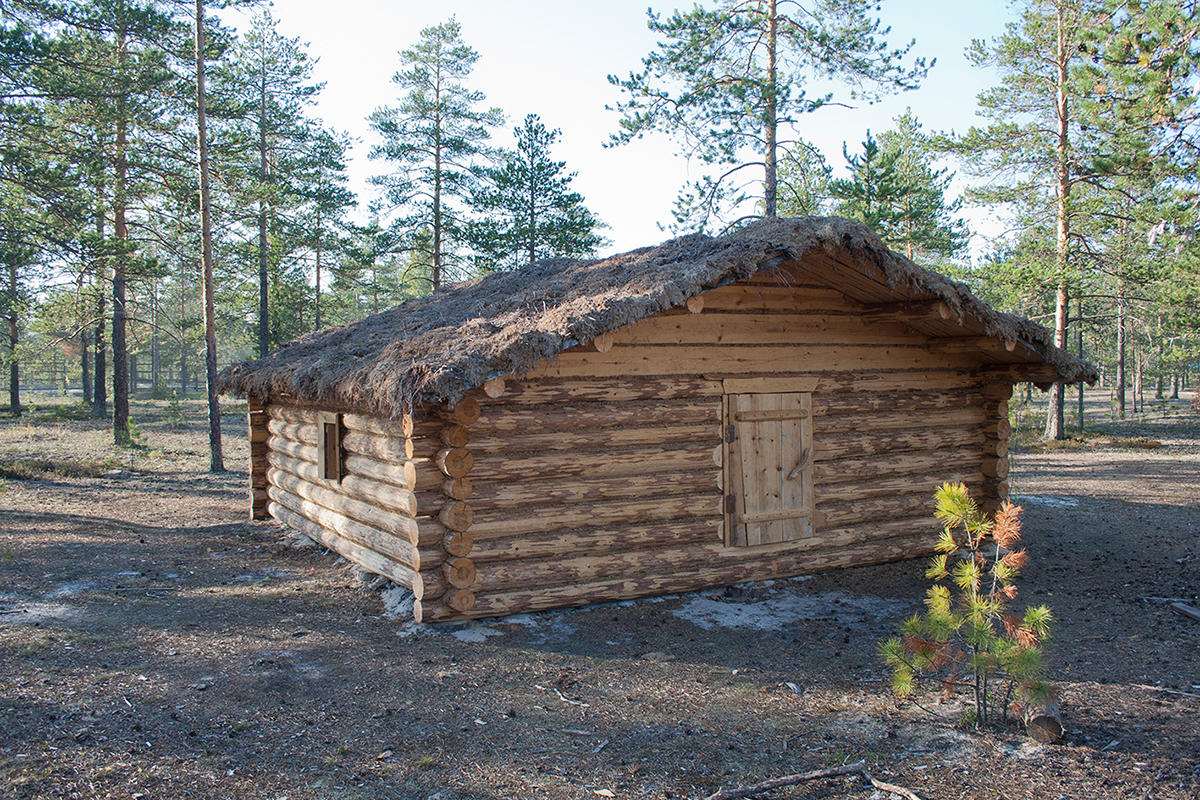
(1045, 728)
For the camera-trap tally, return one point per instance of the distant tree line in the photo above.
(1088, 152)
(1087, 148)
(101, 237)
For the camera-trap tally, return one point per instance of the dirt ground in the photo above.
(155, 645)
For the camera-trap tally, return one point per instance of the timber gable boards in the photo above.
(760, 431)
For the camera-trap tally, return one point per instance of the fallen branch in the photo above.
(1166, 691)
(857, 768)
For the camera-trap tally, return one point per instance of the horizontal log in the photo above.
(294, 414)
(492, 496)
(402, 428)
(995, 447)
(259, 433)
(896, 465)
(995, 488)
(861, 444)
(393, 547)
(429, 585)
(495, 524)
(466, 412)
(891, 402)
(719, 329)
(303, 433)
(459, 572)
(635, 361)
(460, 600)
(596, 439)
(457, 516)
(643, 461)
(495, 387)
(785, 564)
(500, 576)
(400, 475)
(787, 298)
(396, 527)
(1002, 429)
(902, 420)
(924, 485)
(995, 468)
(458, 543)
(454, 462)
(557, 392)
(386, 449)
(597, 541)
(457, 488)
(905, 311)
(695, 304)
(578, 416)
(258, 480)
(602, 343)
(455, 436)
(967, 344)
(875, 509)
(384, 495)
(997, 391)
(297, 450)
(258, 497)
(940, 379)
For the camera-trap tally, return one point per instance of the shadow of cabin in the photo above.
(778, 401)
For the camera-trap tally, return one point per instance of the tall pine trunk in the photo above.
(85, 354)
(264, 310)
(1055, 427)
(120, 355)
(770, 178)
(1121, 347)
(216, 462)
(14, 341)
(99, 392)
(317, 295)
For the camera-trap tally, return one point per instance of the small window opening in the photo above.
(331, 447)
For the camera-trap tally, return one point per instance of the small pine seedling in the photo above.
(967, 638)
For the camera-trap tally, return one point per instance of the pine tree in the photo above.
(731, 79)
(435, 138)
(1027, 152)
(320, 180)
(896, 192)
(270, 79)
(528, 209)
(803, 182)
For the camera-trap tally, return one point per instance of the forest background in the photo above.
(1071, 197)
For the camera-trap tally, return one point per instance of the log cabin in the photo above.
(776, 401)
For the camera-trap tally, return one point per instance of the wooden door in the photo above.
(768, 471)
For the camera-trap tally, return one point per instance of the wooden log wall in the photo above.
(598, 476)
(372, 516)
(256, 419)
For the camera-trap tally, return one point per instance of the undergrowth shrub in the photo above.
(967, 639)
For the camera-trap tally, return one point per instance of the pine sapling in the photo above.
(967, 638)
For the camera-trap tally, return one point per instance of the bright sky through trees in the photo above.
(552, 58)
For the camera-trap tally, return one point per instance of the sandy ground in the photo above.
(155, 645)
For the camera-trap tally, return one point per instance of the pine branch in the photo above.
(857, 768)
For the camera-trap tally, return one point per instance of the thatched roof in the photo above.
(435, 348)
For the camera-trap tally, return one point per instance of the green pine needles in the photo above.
(967, 638)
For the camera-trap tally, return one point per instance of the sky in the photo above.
(552, 58)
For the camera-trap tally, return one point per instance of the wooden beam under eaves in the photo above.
(905, 312)
(961, 344)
